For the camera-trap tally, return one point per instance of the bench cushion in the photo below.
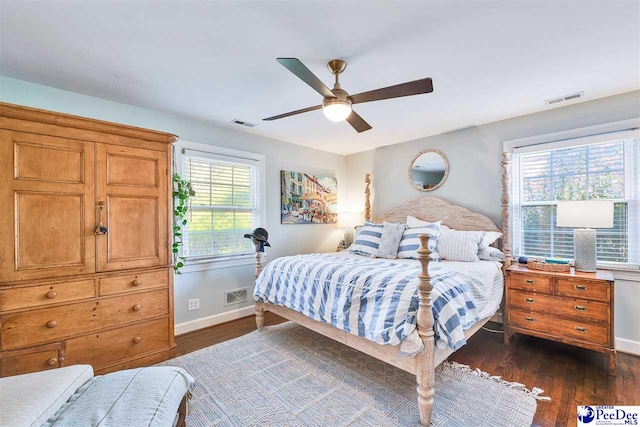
(30, 399)
(136, 397)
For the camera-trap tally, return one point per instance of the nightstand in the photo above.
(573, 308)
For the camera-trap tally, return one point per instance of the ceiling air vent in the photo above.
(235, 296)
(241, 123)
(564, 98)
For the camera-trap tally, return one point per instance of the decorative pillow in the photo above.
(413, 222)
(489, 238)
(390, 241)
(456, 245)
(368, 240)
(410, 241)
(491, 254)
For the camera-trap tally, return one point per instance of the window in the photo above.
(226, 205)
(598, 167)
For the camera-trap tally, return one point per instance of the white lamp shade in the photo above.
(350, 219)
(585, 214)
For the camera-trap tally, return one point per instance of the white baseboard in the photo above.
(624, 345)
(183, 328)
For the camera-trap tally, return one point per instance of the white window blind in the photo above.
(226, 204)
(601, 167)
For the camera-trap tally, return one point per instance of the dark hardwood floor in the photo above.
(570, 376)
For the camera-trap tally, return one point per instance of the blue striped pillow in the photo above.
(368, 240)
(410, 241)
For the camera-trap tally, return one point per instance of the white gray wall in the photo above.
(474, 156)
(209, 285)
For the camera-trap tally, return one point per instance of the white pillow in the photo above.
(491, 254)
(489, 238)
(413, 222)
(463, 246)
(410, 241)
(368, 240)
(390, 241)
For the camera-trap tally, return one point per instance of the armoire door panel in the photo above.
(132, 171)
(140, 214)
(133, 185)
(40, 158)
(35, 213)
(46, 207)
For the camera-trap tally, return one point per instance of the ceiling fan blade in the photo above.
(299, 69)
(358, 122)
(405, 89)
(293, 113)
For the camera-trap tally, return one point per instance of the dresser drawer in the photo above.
(35, 296)
(559, 327)
(581, 310)
(27, 363)
(103, 348)
(530, 282)
(51, 324)
(584, 289)
(134, 282)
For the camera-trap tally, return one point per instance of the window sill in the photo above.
(214, 264)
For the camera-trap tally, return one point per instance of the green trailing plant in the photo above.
(181, 192)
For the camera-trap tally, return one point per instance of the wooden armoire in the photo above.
(85, 259)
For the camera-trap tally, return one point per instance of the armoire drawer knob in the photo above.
(530, 319)
(137, 340)
(136, 283)
(530, 300)
(52, 324)
(51, 295)
(136, 307)
(580, 287)
(530, 282)
(581, 329)
(580, 307)
(52, 362)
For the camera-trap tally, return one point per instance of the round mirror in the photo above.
(428, 170)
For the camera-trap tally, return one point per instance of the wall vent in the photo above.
(242, 123)
(565, 98)
(236, 296)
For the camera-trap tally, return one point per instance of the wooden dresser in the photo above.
(69, 294)
(574, 308)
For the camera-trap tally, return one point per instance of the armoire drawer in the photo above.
(25, 364)
(102, 348)
(35, 296)
(586, 311)
(134, 282)
(560, 328)
(52, 324)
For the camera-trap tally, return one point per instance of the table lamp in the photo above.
(587, 216)
(349, 220)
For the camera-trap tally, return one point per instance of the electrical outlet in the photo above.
(194, 304)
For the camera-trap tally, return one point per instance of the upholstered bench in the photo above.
(72, 396)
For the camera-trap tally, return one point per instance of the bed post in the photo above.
(259, 309)
(367, 195)
(425, 369)
(506, 208)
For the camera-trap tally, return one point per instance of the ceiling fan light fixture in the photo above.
(335, 109)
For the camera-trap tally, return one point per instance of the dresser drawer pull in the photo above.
(581, 329)
(530, 319)
(137, 340)
(580, 307)
(530, 300)
(52, 362)
(51, 295)
(530, 282)
(136, 307)
(52, 324)
(580, 287)
(136, 283)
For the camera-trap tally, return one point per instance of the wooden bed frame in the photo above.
(423, 364)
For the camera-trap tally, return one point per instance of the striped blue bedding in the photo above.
(372, 298)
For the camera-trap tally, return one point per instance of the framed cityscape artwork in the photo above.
(308, 199)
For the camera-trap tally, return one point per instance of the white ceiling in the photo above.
(215, 60)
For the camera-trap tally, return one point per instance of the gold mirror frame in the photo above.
(444, 177)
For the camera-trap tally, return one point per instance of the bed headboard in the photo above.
(432, 209)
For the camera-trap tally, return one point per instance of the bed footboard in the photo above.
(425, 368)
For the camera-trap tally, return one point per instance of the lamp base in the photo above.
(584, 249)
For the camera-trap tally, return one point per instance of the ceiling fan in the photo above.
(337, 103)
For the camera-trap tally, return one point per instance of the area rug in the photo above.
(286, 375)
